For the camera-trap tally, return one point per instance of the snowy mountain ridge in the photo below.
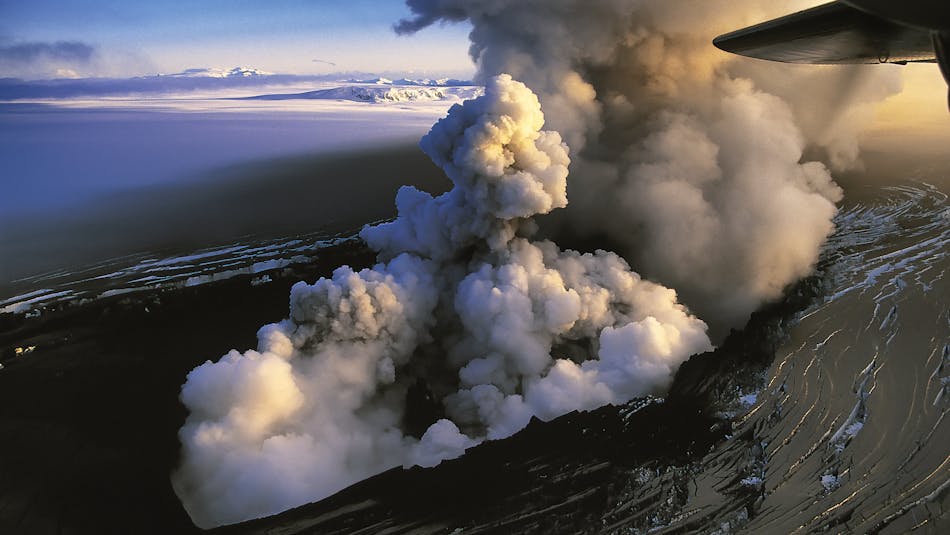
(426, 82)
(378, 94)
(213, 72)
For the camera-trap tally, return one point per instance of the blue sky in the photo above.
(46, 38)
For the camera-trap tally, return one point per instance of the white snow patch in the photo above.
(749, 399)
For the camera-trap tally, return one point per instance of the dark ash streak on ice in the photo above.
(886, 265)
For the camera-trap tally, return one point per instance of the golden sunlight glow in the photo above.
(917, 118)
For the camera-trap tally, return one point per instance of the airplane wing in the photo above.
(833, 33)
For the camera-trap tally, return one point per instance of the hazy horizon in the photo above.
(65, 38)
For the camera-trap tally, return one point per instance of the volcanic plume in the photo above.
(499, 327)
(690, 164)
(680, 162)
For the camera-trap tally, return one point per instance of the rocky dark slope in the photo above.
(89, 419)
(827, 412)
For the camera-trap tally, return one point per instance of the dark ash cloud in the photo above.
(31, 52)
(428, 12)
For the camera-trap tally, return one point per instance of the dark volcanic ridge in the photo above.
(263, 260)
(90, 415)
(137, 347)
(790, 408)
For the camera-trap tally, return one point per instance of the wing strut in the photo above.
(942, 50)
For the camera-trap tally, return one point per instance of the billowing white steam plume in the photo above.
(681, 160)
(687, 160)
(499, 327)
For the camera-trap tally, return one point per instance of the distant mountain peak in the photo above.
(422, 82)
(213, 72)
(381, 93)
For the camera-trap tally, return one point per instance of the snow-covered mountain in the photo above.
(204, 72)
(425, 82)
(382, 93)
(376, 88)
